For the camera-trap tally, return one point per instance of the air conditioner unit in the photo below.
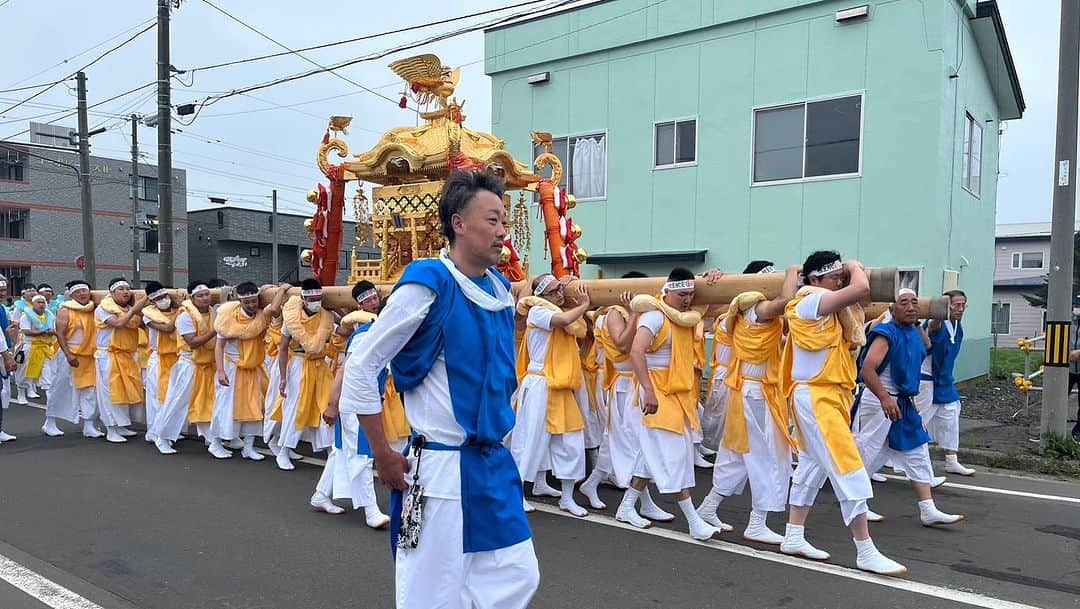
(853, 13)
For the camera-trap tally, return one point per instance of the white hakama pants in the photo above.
(438, 574)
(767, 466)
(873, 442)
(943, 423)
(816, 465)
(222, 422)
(533, 447)
(172, 416)
(321, 437)
(348, 475)
(665, 457)
(112, 415)
(622, 441)
(64, 401)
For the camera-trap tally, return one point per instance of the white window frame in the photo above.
(966, 156)
(803, 102)
(918, 270)
(566, 166)
(1017, 262)
(675, 122)
(1008, 324)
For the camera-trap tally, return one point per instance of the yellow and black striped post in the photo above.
(1057, 343)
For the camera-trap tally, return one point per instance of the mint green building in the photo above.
(707, 133)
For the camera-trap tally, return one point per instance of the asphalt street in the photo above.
(86, 524)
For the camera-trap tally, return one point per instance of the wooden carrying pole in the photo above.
(605, 292)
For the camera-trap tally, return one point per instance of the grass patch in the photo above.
(1005, 362)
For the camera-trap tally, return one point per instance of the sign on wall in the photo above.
(234, 261)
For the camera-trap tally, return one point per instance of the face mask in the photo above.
(312, 307)
(163, 304)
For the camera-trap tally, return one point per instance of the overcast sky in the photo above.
(262, 146)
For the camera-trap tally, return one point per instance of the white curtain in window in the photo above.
(589, 167)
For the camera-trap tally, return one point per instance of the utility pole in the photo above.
(1060, 291)
(273, 240)
(135, 201)
(164, 132)
(84, 184)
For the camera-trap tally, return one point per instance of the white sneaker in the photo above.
(878, 477)
(6, 437)
(930, 515)
(528, 507)
(218, 451)
(164, 446)
(631, 517)
(872, 560)
(795, 544)
(50, 429)
(322, 503)
(374, 517)
(953, 466)
(937, 481)
(114, 436)
(872, 516)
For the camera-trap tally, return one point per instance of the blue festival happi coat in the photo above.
(478, 350)
(904, 359)
(363, 447)
(943, 351)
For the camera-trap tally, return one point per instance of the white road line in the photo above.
(41, 589)
(999, 491)
(949, 594)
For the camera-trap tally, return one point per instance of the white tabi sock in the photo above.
(50, 428)
(90, 430)
(757, 530)
(795, 544)
(708, 508)
(930, 515)
(217, 450)
(374, 517)
(872, 560)
(249, 451)
(113, 435)
(650, 510)
(628, 513)
(541, 488)
(590, 487)
(699, 529)
(567, 503)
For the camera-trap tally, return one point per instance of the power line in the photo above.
(364, 37)
(63, 61)
(92, 62)
(94, 105)
(377, 55)
(297, 53)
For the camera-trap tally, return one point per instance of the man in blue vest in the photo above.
(942, 417)
(460, 533)
(8, 360)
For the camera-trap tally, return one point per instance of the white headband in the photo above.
(828, 268)
(903, 291)
(158, 295)
(768, 269)
(77, 287)
(41, 298)
(307, 293)
(543, 284)
(366, 295)
(119, 284)
(247, 296)
(30, 289)
(685, 284)
(3, 283)
(199, 289)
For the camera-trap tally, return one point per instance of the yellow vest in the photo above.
(82, 318)
(201, 405)
(831, 390)
(562, 369)
(125, 378)
(676, 386)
